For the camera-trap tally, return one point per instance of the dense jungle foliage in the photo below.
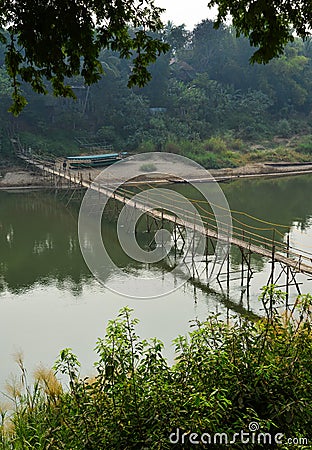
(236, 377)
(205, 101)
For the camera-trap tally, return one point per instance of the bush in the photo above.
(209, 160)
(215, 145)
(146, 147)
(148, 167)
(225, 378)
(188, 147)
(57, 143)
(283, 128)
(237, 144)
(305, 146)
(277, 154)
(172, 147)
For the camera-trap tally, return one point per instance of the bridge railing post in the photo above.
(272, 272)
(287, 274)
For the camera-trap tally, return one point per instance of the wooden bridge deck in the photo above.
(301, 263)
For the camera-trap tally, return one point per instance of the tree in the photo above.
(269, 25)
(54, 40)
(208, 48)
(177, 36)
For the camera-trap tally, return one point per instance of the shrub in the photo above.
(188, 147)
(146, 146)
(215, 145)
(283, 128)
(226, 376)
(209, 160)
(236, 144)
(148, 167)
(305, 146)
(172, 147)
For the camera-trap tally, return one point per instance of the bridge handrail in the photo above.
(249, 238)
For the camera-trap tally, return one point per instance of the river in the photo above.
(49, 300)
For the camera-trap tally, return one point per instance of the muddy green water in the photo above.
(49, 299)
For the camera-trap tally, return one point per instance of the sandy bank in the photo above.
(17, 177)
(267, 169)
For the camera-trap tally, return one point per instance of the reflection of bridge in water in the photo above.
(267, 240)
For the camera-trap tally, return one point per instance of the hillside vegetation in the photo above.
(205, 101)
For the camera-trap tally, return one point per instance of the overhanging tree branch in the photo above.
(48, 41)
(269, 25)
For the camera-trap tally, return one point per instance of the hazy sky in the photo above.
(188, 12)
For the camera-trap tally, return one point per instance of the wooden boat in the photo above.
(78, 162)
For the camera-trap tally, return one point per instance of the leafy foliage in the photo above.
(225, 376)
(51, 41)
(268, 25)
(204, 88)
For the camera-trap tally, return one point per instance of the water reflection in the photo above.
(281, 200)
(38, 243)
(56, 298)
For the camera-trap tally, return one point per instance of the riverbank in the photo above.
(17, 177)
(265, 169)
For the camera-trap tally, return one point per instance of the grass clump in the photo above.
(225, 377)
(148, 167)
(305, 145)
(278, 154)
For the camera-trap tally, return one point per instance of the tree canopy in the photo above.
(269, 25)
(49, 41)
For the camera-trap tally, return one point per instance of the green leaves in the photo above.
(52, 40)
(67, 364)
(268, 25)
(225, 377)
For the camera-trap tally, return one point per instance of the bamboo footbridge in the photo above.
(264, 239)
